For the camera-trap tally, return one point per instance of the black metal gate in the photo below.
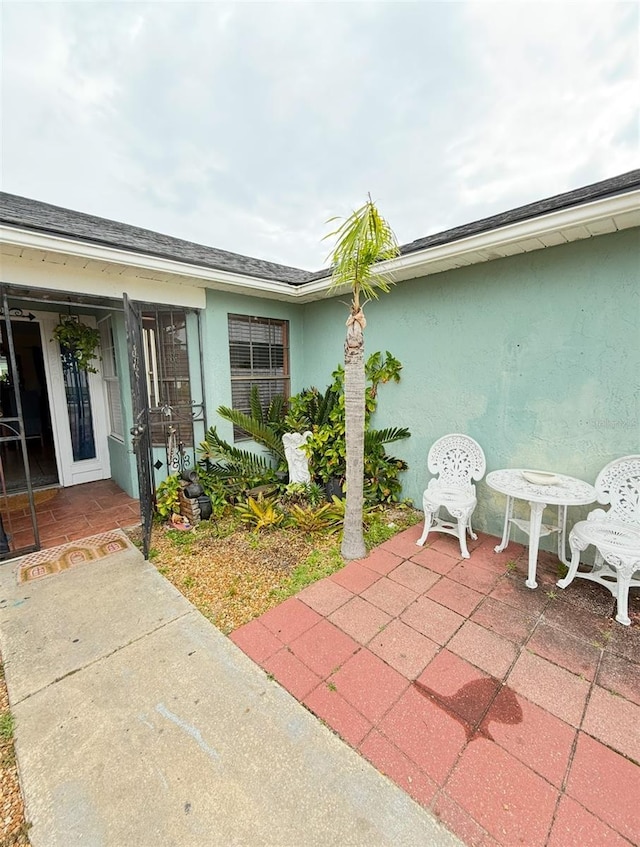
(141, 431)
(13, 445)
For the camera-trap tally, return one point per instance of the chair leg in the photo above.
(470, 531)
(573, 569)
(622, 604)
(428, 520)
(462, 535)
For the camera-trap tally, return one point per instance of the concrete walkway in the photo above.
(138, 723)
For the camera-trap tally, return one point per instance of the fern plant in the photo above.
(264, 425)
(311, 409)
(78, 341)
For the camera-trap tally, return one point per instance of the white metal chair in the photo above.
(457, 460)
(614, 533)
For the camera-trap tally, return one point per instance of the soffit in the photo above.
(589, 220)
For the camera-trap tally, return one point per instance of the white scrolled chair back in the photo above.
(618, 484)
(458, 461)
(614, 532)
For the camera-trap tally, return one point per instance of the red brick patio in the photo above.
(513, 715)
(67, 514)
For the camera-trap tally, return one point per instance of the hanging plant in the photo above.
(78, 339)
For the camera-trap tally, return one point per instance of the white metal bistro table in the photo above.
(565, 491)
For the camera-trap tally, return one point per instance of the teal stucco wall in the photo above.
(215, 333)
(536, 356)
(211, 382)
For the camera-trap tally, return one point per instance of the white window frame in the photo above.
(110, 378)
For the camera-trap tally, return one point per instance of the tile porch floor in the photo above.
(67, 514)
(514, 715)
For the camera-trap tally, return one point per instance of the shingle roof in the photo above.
(55, 220)
(596, 191)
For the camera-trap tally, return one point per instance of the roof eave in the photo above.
(515, 238)
(568, 224)
(181, 272)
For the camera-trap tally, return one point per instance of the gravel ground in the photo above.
(13, 829)
(233, 580)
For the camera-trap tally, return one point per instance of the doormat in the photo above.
(58, 559)
(14, 502)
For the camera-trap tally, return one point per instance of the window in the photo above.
(167, 365)
(110, 377)
(259, 355)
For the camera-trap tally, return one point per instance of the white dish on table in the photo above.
(541, 477)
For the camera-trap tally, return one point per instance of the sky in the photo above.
(247, 125)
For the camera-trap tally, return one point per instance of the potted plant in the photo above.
(79, 340)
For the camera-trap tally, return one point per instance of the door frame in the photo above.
(71, 472)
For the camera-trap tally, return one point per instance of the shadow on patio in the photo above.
(514, 715)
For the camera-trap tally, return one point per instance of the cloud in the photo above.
(558, 85)
(245, 126)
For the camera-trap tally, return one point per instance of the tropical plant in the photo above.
(381, 483)
(234, 469)
(266, 426)
(308, 519)
(363, 240)
(302, 494)
(167, 500)
(310, 408)
(323, 414)
(337, 513)
(215, 491)
(78, 341)
(259, 513)
(327, 447)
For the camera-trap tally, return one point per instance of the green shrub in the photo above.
(238, 471)
(167, 502)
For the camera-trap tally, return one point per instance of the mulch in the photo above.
(13, 829)
(235, 579)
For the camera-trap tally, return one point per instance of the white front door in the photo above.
(78, 411)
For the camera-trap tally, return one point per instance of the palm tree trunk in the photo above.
(353, 546)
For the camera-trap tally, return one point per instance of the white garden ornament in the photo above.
(297, 460)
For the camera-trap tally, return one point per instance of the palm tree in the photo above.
(362, 241)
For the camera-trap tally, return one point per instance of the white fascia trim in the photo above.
(192, 275)
(405, 267)
(418, 263)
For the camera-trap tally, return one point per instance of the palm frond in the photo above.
(362, 241)
(255, 406)
(260, 432)
(228, 461)
(325, 405)
(376, 437)
(276, 412)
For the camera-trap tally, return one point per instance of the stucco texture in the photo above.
(536, 356)
(215, 344)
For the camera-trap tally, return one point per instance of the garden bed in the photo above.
(233, 575)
